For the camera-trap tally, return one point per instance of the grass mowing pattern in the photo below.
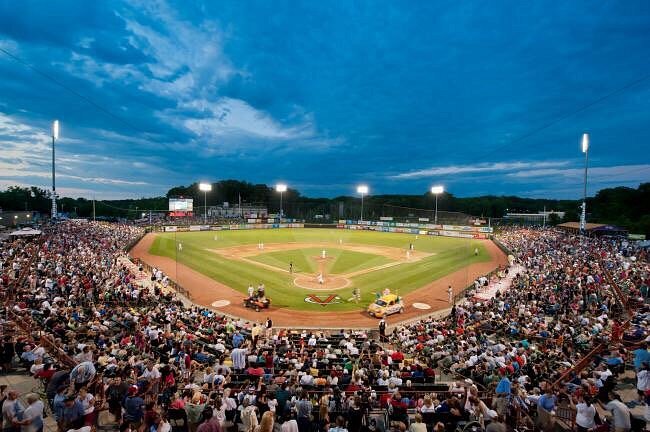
(340, 261)
(301, 258)
(451, 255)
(348, 261)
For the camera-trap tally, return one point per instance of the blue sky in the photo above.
(482, 97)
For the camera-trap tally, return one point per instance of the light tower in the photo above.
(205, 187)
(55, 136)
(583, 214)
(436, 190)
(363, 190)
(282, 188)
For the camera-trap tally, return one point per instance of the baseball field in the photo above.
(310, 269)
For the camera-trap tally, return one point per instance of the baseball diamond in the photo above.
(303, 285)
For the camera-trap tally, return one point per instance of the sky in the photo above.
(480, 97)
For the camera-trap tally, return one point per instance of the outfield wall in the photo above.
(231, 227)
(460, 231)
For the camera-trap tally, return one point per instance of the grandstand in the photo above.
(90, 312)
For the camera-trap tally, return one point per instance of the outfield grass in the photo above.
(450, 254)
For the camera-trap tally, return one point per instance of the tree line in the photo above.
(622, 206)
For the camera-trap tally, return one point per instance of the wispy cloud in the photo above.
(620, 173)
(477, 168)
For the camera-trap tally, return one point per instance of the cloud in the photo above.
(617, 173)
(476, 168)
(236, 117)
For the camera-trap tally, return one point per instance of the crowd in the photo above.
(111, 346)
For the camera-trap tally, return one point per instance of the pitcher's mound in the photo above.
(330, 283)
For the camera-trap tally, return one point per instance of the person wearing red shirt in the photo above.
(45, 373)
(397, 357)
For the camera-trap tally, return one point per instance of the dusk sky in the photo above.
(481, 97)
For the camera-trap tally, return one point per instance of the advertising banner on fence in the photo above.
(170, 229)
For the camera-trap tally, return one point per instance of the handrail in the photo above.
(619, 293)
(583, 362)
(480, 386)
(61, 355)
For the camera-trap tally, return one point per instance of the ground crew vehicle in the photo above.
(387, 304)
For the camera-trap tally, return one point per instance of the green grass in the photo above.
(340, 261)
(450, 254)
(301, 258)
(348, 261)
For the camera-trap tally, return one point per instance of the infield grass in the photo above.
(449, 255)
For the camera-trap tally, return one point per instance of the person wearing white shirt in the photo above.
(585, 413)
(32, 417)
(307, 380)
(620, 415)
(643, 382)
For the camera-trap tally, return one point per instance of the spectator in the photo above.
(32, 417)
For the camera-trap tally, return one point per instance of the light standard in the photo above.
(436, 190)
(55, 136)
(363, 190)
(583, 215)
(282, 188)
(205, 187)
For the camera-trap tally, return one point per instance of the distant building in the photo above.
(533, 218)
(246, 211)
(17, 218)
(593, 229)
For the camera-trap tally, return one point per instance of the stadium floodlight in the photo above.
(363, 190)
(55, 136)
(585, 142)
(205, 187)
(282, 188)
(436, 190)
(583, 213)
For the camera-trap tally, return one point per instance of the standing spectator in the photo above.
(133, 408)
(417, 425)
(303, 412)
(269, 327)
(620, 414)
(266, 424)
(115, 394)
(209, 423)
(11, 411)
(32, 418)
(340, 425)
(73, 414)
(160, 424)
(585, 413)
(82, 374)
(546, 409)
(643, 381)
(87, 401)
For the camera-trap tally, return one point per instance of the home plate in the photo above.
(220, 303)
(422, 306)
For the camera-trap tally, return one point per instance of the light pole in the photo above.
(436, 190)
(363, 190)
(583, 215)
(55, 136)
(282, 188)
(205, 187)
